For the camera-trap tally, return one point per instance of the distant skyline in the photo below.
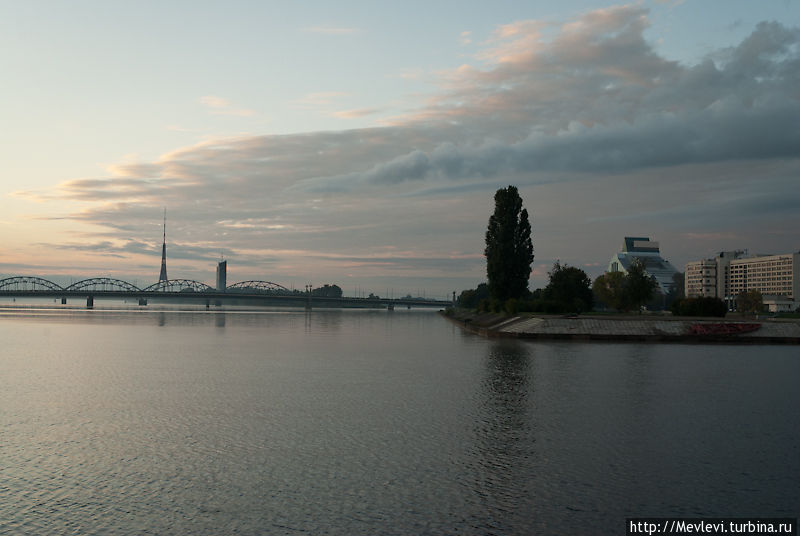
(361, 144)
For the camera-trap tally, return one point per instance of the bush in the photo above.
(496, 306)
(491, 305)
(512, 306)
(537, 305)
(703, 306)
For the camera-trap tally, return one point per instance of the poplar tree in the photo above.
(509, 250)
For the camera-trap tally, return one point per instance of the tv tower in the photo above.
(163, 276)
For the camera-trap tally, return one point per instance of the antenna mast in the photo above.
(163, 275)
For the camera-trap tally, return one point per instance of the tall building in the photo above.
(709, 277)
(643, 249)
(222, 275)
(163, 275)
(776, 277)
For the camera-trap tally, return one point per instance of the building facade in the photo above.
(222, 275)
(648, 253)
(701, 278)
(776, 277)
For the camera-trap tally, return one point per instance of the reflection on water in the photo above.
(324, 320)
(369, 422)
(504, 434)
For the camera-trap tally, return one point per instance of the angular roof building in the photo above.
(642, 248)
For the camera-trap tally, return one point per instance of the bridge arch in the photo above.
(179, 285)
(256, 286)
(27, 284)
(103, 284)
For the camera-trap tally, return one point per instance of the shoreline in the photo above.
(624, 328)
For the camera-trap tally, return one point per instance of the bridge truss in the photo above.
(28, 284)
(257, 286)
(109, 284)
(103, 284)
(179, 285)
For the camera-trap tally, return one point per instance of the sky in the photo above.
(361, 143)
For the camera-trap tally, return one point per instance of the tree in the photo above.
(509, 250)
(749, 301)
(679, 284)
(570, 287)
(639, 284)
(610, 289)
(328, 291)
(469, 299)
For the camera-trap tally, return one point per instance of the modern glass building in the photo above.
(648, 252)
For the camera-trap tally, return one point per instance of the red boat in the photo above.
(722, 328)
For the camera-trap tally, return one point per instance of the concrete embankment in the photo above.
(633, 328)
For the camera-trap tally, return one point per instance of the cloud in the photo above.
(596, 98)
(718, 133)
(411, 74)
(220, 106)
(214, 102)
(178, 128)
(354, 114)
(711, 237)
(319, 99)
(600, 132)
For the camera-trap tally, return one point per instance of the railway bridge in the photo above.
(250, 292)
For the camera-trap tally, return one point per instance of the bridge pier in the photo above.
(390, 307)
(63, 301)
(142, 301)
(89, 302)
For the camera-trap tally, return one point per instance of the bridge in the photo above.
(186, 290)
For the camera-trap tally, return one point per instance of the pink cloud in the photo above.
(354, 114)
(220, 106)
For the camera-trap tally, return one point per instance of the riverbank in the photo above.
(632, 328)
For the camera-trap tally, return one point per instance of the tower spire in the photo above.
(163, 275)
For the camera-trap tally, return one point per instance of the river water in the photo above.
(376, 422)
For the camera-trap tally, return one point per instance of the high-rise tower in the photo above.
(222, 275)
(163, 276)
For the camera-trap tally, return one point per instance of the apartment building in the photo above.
(776, 277)
(700, 278)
